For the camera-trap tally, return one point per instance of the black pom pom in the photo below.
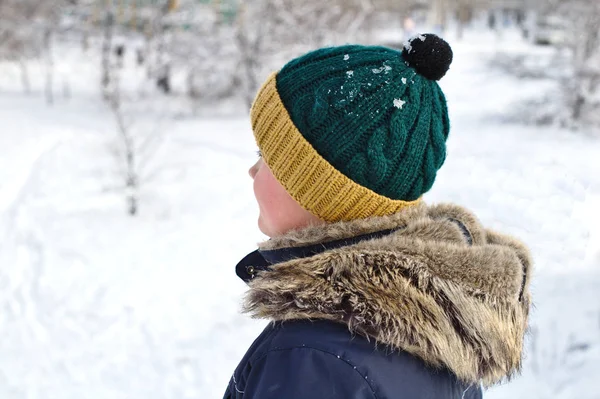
(429, 55)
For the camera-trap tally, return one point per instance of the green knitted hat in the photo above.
(375, 114)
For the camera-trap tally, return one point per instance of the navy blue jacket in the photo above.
(320, 359)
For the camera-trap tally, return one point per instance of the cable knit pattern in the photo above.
(370, 115)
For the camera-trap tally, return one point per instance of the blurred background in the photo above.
(125, 201)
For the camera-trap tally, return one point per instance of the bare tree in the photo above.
(26, 31)
(585, 44)
(49, 57)
(18, 42)
(210, 56)
(106, 65)
(464, 14)
(125, 152)
(135, 143)
(575, 65)
(581, 85)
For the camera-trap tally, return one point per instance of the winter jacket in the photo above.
(425, 303)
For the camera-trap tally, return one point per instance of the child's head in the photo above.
(350, 132)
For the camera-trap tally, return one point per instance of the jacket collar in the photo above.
(261, 260)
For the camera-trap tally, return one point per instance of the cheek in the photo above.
(268, 191)
(278, 210)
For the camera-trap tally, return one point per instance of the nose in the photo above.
(254, 169)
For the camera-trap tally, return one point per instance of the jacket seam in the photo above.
(354, 367)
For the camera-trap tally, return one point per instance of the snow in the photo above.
(408, 43)
(398, 103)
(96, 304)
(385, 68)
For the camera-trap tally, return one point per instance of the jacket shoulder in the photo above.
(385, 370)
(291, 362)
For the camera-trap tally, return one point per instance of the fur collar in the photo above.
(424, 289)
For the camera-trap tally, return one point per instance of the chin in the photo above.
(264, 229)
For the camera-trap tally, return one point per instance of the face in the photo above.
(279, 212)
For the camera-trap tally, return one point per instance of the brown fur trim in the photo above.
(422, 289)
(335, 231)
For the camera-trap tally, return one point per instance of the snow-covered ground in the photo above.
(96, 304)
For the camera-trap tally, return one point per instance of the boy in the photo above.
(372, 293)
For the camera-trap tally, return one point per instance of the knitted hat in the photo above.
(356, 131)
